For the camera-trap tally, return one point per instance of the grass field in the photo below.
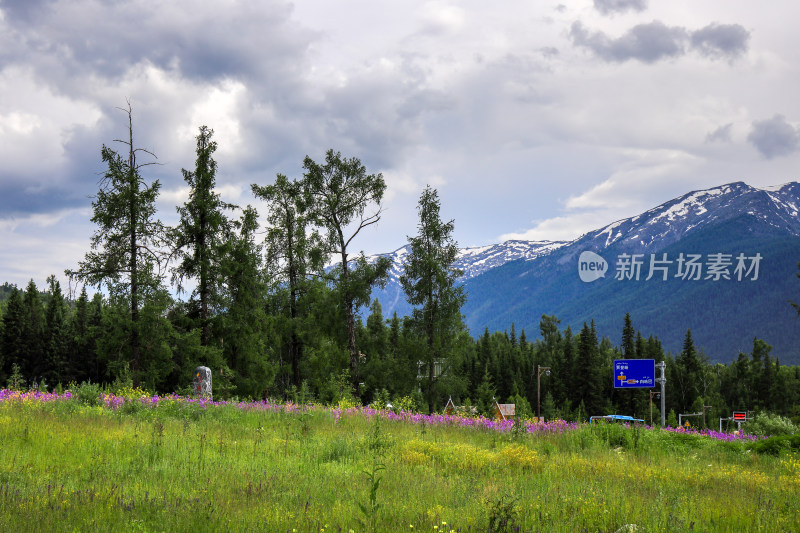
(169, 464)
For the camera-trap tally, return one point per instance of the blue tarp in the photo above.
(624, 418)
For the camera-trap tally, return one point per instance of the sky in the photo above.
(533, 120)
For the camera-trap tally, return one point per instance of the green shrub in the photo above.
(672, 419)
(381, 400)
(777, 445)
(613, 434)
(765, 424)
(16, 381)
(405, 403)
(87, 393)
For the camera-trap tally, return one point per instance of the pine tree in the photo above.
(243, 329)
(549, 410)
(567, 368)
(482, 358)
(93, 366)
(79, 338)
(763, 373)
(628, 334)
(200, 233)
(588, 380)
(292, 255)
(128, 250)
(429, 282)
(375, 345)
(779, 392)
(688, 363)
(485, 395)
(59, 365)
(402, 369)
(551, 337)
(32, 359)
(13, 324)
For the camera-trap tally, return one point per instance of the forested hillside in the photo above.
(259, 308)
(518, 282)
(725, 315)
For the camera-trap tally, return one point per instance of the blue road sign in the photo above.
(634, 373)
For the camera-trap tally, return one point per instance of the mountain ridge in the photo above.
(518, 281)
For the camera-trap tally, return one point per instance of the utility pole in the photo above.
(704, 414)
(663, 381)
(652, 393)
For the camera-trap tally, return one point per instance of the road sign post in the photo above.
(641, 373)
(634, 373)
(739, 417)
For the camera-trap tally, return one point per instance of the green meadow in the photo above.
(177, 466)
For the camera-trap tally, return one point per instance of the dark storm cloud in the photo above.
(25, 10)
(204, 42)
(655, 41)
(74, 181)
(774, 137)
(281, 114)
(721, 41)
(359, 112)
(609, 7)
(17, 200)
(645, 42)
(86, 50)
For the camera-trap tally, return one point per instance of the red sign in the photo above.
(740, 415)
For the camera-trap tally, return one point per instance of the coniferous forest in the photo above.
(252, 296)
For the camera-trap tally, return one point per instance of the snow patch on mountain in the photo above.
(649, 231)
(671, 221)
(475, 261)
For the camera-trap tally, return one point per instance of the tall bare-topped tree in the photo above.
(128, 249)
(201, 231)
(340, 192)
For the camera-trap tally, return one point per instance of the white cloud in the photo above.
(497, 108)
(563, 228)
(635, 180)
(35, 124)
(219, 110)
(644, 179)
(40, 220)
(174, 197)
(442, 17)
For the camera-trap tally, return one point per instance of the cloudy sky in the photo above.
(533, 119)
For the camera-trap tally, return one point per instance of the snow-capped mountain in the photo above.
(655, 229)
(477, 260)
(673, 220)
(519, 281)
